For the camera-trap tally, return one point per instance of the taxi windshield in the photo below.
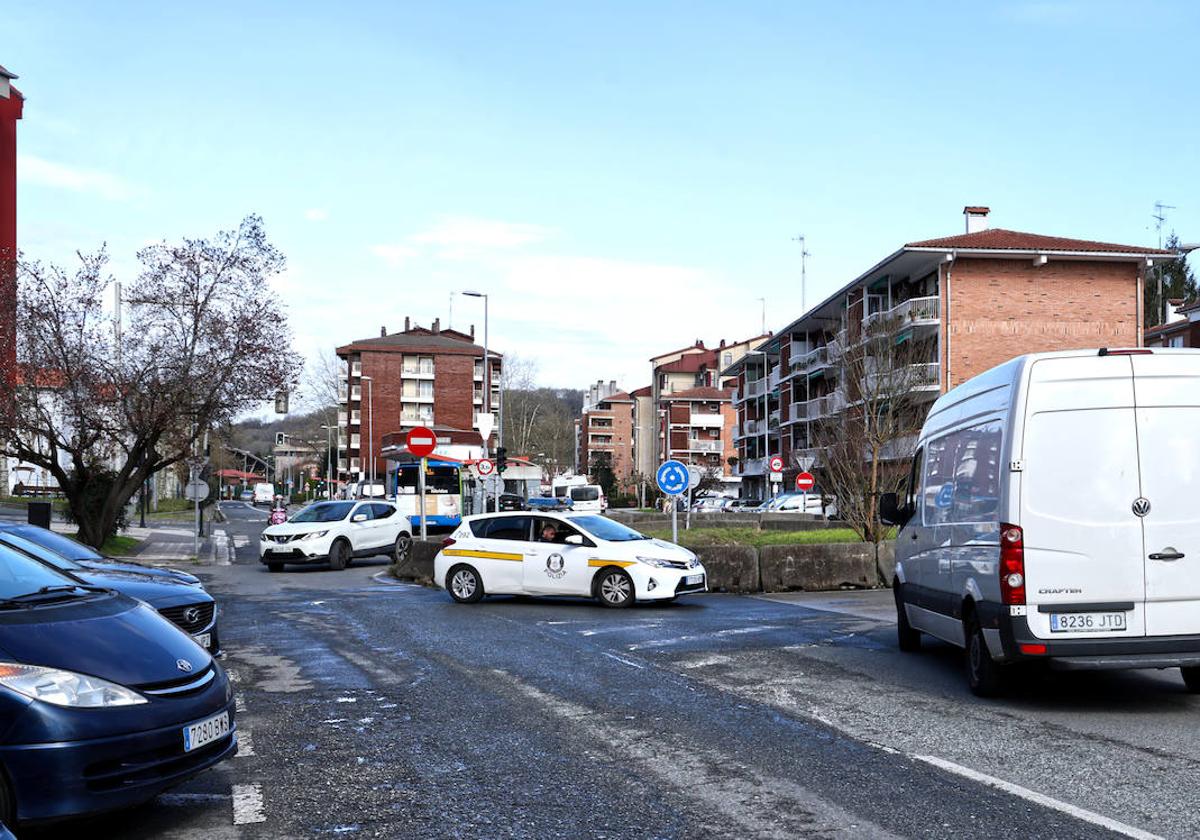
(606, 529)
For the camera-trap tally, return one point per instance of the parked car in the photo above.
(1050, 502)
(90, 558)
(189, 607)
(551, 503)
(508, 501)
(742, 505)
(709, 504)
(563, 554)
(336, 532)
(105, 702)
(247, 496)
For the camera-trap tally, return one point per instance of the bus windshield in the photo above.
(439, 478)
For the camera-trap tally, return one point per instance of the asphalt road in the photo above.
(371, 709)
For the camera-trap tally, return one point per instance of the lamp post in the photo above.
(487, 367)
(328, 461)
(370, 425)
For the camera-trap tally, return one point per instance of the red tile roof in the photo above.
(620, 396)
(690, 363)
(419, 342)
(699, 394)
(642, 392)
(999, 239)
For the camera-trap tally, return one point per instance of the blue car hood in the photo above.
(160, 594)
(107, 636)
(170, 575)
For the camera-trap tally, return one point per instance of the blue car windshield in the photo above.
(324, 512)
(606, 529)
(22, 575)
(57, 543)
(13, 540)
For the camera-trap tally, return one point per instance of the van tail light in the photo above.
(449, 541)
(1012, 565)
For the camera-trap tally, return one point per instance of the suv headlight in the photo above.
(655, 561)
(312, 535)
(65, 688)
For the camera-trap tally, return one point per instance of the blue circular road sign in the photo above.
(672, 478)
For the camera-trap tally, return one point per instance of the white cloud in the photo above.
(316, 214)
(460, 232)
(47, 173)
(394, 255)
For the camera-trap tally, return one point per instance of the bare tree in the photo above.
(205, 341)
(884, 375)
(324, 372)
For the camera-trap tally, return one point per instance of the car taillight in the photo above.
(449, 541)
(1012, 565)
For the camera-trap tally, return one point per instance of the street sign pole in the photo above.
(421, 493)
(687, 517)
(673, 479)
(674, 519)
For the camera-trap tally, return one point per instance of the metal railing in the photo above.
(910, 311)
(696, 445)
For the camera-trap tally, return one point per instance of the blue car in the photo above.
(88, 557)
(189, 607)
(103, 702)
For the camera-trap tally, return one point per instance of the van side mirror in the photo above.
(574, 539)
(890, 511)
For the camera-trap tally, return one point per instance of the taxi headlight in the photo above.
(657, 562)
(65, 688)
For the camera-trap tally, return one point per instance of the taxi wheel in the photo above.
(614, 588)
(339, 555)
(464, 585)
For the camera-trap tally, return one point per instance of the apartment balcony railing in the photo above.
(773, 378)
(752, 466)
(752, 427)
(341, 418)
(417, 372)
(416, 397)
(916, 377)
(815, 359)
(911, 311)
(752, 389)
(696, 445)
(707, 421)
(838, 345)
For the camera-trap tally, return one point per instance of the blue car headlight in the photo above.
(66, 688)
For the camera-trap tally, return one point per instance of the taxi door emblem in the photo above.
(555, 566)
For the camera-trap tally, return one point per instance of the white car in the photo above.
(336, 532)
(563, 554)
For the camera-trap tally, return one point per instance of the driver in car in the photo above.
(550, 533)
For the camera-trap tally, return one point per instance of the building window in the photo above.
(355, 417)
(356, 368)
(356, 393)
(426, 390)
(727, 360)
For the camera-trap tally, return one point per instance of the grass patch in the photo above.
(23, 501)
(172, 506)
(120, 546)
(734, 535)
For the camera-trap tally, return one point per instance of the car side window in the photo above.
(510, 528)
(365, 510)
(382, 511)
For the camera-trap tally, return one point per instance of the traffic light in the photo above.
(501, 459)
(280, 439)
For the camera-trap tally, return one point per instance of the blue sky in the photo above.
(621, 177)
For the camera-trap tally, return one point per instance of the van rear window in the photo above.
(585, 494)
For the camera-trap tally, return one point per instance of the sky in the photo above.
(621, 178)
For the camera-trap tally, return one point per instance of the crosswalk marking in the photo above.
(248, 804)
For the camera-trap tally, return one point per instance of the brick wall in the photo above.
(1003, 308)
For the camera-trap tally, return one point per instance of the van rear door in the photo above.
(1079, 479)
(1167, 392)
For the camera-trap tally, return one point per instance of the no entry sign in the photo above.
(421, 441)
(805, 482)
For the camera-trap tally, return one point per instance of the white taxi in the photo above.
(569, 554)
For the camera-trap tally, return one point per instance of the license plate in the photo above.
(205, 732)
(204, 640)
(1087, 622)
(691, 579)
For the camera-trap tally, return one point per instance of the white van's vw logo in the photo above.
(1141, 506)
(555, 566)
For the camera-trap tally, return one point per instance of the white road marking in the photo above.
(720, 634)
(245, 744)
(624, 661)
(220, 547)
(234, 676)
(240, 541)
(1039, 798)
(248, 804)
(239, 705)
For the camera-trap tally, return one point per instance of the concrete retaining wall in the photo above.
(743, 568)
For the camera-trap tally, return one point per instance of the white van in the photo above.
(1052, 515)
(264, 494)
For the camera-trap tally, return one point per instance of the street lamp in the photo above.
(370, 425)
(328, 461)
(487, 367)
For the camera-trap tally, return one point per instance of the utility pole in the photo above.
(804, 255)
(1159, 217)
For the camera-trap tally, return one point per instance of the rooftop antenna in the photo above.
(1159, 217)
(804, 255)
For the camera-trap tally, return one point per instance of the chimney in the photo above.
(976, 218)
(472, 332)
(437, 326)
(383, 331)
(407, 325)
(722, 345)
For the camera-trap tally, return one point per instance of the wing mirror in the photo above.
(358, 517)
(891, 512)
(574, 539)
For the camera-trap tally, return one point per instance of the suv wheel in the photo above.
(614, 588)
(339, 555)
(464, 585)
(403, 547)
(1191, 678)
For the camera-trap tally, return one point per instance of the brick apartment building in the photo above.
(696, 427)
(418, 377)
(965, 303)
(1182, 328)
(606, 433)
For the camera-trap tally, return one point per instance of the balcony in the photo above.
(698, 445)
(356, 369)
(773, 378)
(922, 310)
(341, 418)
(416, 396)
(812, 360)
(343, 465)
(356, 393)
(707, 421)
(417, 372)
(924, 376)
(752, 466)
(752, 389)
